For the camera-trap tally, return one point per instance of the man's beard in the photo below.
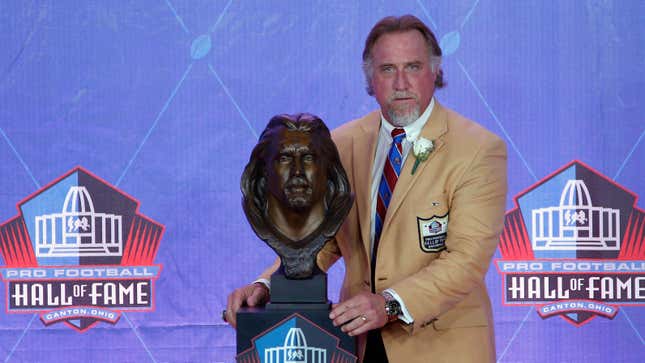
(403, 116)
(301, 199)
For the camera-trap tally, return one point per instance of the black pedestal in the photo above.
(294, 326)
(294, 335)
(303, 294)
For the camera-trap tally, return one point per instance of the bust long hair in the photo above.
(254, 181)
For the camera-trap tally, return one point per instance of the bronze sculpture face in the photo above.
(295, 175)
(295, 191)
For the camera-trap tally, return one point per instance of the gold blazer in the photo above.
(439, 276)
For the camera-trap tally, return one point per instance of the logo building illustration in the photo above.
(575, 224)
(295, 350)
(78, 230)
(79, 252)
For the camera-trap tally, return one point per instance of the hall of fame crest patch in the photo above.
(432, 233)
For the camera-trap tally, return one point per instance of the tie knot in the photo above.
(398, 134)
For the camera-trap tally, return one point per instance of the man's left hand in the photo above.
(363, 312)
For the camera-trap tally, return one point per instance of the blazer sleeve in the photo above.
(476, 220)
(328, 255)
(266, 274)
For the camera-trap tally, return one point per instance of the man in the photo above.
(295, 191)
(425, 224)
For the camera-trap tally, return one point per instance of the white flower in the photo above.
(422, 148)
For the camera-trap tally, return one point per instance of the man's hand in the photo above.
(250, 295)
(363, 312)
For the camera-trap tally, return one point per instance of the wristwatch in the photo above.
(392, 307)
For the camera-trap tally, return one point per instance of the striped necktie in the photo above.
(391, 172)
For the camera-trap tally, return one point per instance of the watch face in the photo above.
(393, 308)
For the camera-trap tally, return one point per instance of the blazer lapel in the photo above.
(364, 147)
(433, 130)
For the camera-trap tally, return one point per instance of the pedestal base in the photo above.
(306, 291)
(293, 334)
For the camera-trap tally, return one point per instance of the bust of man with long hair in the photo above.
(295, 191)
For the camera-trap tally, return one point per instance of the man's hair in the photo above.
(394, 24)
(254, 181)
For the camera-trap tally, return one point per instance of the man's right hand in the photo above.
(250, 295)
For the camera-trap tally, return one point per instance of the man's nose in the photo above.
(297, 167)
(401, 81)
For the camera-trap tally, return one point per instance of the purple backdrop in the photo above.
(165, 99)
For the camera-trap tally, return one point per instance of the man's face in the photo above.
(296, 174)
(402, 77)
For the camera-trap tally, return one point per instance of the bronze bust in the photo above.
(295, 191)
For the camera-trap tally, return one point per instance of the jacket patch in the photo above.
(432, 233)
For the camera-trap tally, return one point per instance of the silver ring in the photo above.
(363, 318)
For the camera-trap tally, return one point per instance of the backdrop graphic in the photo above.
(164, 100)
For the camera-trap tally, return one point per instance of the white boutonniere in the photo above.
(422, 149)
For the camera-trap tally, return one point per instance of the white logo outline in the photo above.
(295, 350)
(576, 224)
(78, 230)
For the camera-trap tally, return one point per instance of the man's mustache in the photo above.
(402, 94)
(296, 182)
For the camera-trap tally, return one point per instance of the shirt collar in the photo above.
(412, 130)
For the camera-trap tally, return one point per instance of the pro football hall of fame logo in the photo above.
(295, 339)
(79, 252)
(574, 247)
